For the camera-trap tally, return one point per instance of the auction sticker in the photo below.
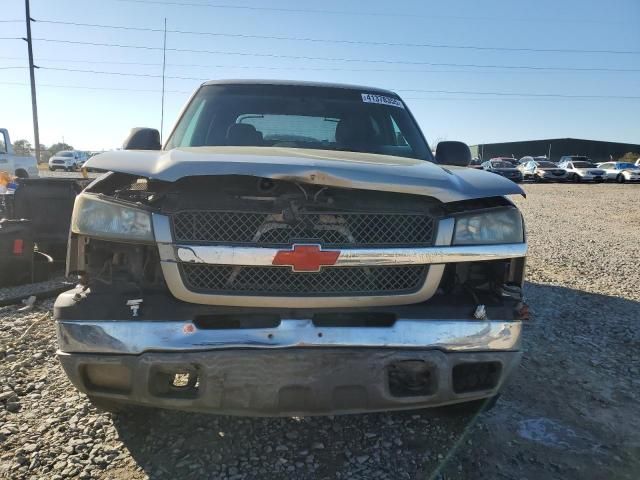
(381, 99)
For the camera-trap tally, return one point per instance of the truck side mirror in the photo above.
(453, 153)
(142, 139)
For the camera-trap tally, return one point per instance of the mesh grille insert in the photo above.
(277, 281)
(329, 229)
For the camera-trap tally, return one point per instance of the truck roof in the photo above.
(301, 84)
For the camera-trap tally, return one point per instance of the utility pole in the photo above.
(164, 59)
(32, 67)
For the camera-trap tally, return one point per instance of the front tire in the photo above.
(620, 178)
(577, 178)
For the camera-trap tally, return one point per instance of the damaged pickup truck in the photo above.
(293, 249)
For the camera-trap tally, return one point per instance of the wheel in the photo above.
(577, 178)
(620, 178)
(51, 169)
(108, 405)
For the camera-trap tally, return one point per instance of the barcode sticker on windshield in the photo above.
(394, 102)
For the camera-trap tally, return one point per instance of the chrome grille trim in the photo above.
(256, 256)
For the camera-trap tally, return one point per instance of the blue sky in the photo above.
(99, 118)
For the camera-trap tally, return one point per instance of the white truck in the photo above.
(20, 166)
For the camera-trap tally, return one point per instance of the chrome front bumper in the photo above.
(136, 337)
(294, 368)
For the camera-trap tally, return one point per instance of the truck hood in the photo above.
(322, 167)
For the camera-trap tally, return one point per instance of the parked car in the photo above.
(67, 160)
(510, 160)
(504, 168)
(16, 165)
(621, 171)
(529, 158)
(582, 170)
(542, 171)
(476, 163)
(220, 272)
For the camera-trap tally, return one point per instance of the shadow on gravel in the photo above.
(167, 444)
(570, 412)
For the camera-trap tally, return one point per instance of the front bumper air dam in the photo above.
(299, 381)
(296, 368)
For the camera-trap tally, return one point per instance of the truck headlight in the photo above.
(96, 217)
(489, 228)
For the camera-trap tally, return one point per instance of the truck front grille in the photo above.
(329, 229)
(279, 281)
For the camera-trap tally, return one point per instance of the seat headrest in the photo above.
(243, 134)
(354, 131)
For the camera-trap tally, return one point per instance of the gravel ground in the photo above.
(571, 412)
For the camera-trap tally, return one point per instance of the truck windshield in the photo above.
(299, 116)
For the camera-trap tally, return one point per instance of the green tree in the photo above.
(58, 147)
(630, 157)
(22, 147)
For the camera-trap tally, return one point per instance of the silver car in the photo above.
(543, 171)
(582, 171)
(621, 171)
(67, 160)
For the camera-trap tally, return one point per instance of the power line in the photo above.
(361, 12)
(516, 94)
(190, 92)
(21, 84)
(261, 67)
(281, 10)
(344, 41)
(228, 66)
(455, 92)
(343, 59)
(125, 74)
